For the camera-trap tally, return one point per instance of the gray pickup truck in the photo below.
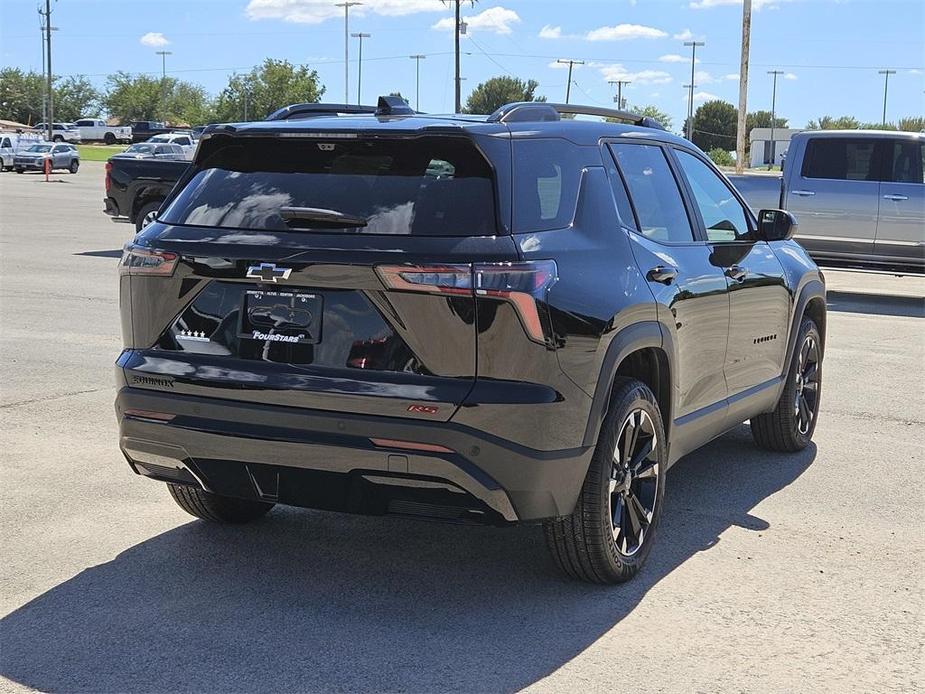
(858, 195)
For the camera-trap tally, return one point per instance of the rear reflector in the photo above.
(520, 284)
(149, 414)
(145, 261)
(412, 446)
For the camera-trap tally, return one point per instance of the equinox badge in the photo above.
(268, 272)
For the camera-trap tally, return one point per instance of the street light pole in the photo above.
(51, 97)
(360, 36)
(775, 73)
(690, 107)
(417, 79)
(570, 63)
(347, 6)
(163, 55)
(44, 96)
(886, 83)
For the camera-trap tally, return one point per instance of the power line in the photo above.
(571, 63)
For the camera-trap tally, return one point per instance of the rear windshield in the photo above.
(425, 186)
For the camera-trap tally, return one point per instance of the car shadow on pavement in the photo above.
(319, 602)
(117, 253)
(876, 304)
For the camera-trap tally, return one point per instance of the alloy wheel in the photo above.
(806, 398)
(633, 482)
(148, 218)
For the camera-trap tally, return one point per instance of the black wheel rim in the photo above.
(806, 398)
(633, 482)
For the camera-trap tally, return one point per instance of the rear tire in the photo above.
(57, 138)
(109, 139)
(146, 215)
(215, 508)
(19, 171)
(609, 535)
(74, 166)
(789, 428)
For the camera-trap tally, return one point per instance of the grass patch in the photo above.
(99, 152)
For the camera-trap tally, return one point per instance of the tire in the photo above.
(215, 508)
(145, 214)
(789, 428)
(75, 164)
(109, 139)
(57, 138)
(19, 171)
(585, 545)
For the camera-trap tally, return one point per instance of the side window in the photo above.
(908, 161)
(723, 215)
(654, 191)
(841, 158)
(547, 173)
(84, 123)
(622, 197)
(58, 149)
(6, 142)
(184, 141)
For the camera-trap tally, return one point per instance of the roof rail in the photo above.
(301, 111)
(532, 111)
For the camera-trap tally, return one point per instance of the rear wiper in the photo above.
(327, 218)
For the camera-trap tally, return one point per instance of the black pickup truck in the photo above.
(143, 130)
(135, 188)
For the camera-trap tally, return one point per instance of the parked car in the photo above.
(144, 130)
(137, 183)
(33, 158)
(11, 143)
(152, 149)
(61, 132)
(96, 130)
(858, 195)
(183, 140)
(534, 331)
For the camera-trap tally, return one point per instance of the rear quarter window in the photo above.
(547, 174)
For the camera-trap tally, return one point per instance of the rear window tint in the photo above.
(426, 186)
(842, 159)
(547, 174)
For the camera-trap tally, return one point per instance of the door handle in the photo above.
(662, 274)
(802, 193)
(896, 197)
(736, 273)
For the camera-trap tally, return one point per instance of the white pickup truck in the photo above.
(96, 129)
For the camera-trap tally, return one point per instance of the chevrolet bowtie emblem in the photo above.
(268, 272)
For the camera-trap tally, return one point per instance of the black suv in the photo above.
(518, 317)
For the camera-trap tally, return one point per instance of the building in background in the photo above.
(760, 139)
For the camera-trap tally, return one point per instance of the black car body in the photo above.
(446, 316)
(145, 129)
(136, 186)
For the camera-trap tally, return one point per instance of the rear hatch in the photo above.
(338, 273)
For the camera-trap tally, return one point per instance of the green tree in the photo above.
(497, 91)
(830, 123)
(721, 157)
(75, 97)
(21, 95)
(143, 97)
(715, 126)
(272, 85)
(912, 124)
(654, 113)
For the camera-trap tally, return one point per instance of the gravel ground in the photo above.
(800, 573)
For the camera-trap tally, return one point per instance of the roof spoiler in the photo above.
(538, 111)
(387, 106)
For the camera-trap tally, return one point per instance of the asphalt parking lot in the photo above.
(801, 573)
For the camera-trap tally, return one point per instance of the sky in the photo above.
(830, 51)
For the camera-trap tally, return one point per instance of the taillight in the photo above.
(108, 179)
(144, 261)
(521, 284)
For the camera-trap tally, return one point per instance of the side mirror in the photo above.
(776, 225)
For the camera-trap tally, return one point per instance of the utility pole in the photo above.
(50, 93)
(886, 83)
(743, 85)
(417, 79)
(360, 36)
(690, 107)
(775, 73)
(163, 55)
(570, 63)
(618, 99)
(347, 5)
(459, 28)
(42, 36)
(690, 119)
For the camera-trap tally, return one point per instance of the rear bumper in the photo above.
(111, 207)
(328, 460)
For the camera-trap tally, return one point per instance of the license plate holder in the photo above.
(285, 316)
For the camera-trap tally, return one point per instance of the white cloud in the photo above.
(617, 72)
(154, 39)
(317, 11)
(675, 58)
(556, 65)
(700, 97)
(623, 32)
(550, 32)
(703, 77)
(757, 5)
(914, 71)
(497, 20)
(685, 35)
(789, 76)
(732, 77)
